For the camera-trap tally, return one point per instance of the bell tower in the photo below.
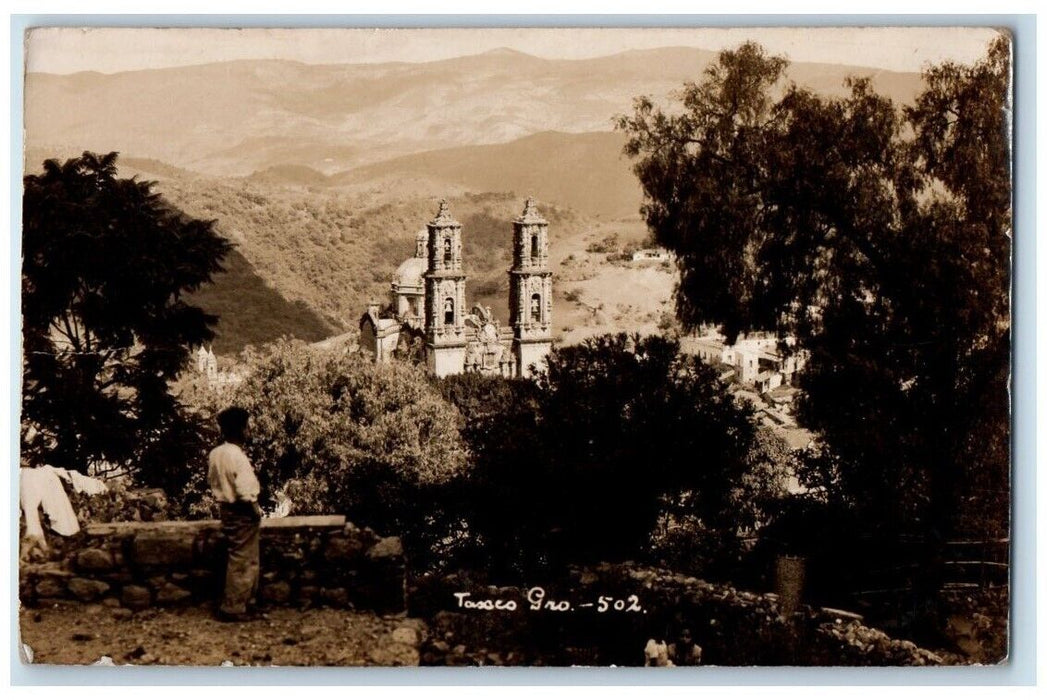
(530, 290)
(445, 296)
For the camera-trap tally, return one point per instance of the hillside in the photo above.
(238, 117)
(308, 259)
(333, 250)
(250, 312)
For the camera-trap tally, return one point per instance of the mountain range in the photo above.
(236, 117)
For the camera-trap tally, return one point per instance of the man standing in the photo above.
(235, 486)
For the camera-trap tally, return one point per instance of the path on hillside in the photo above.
(72, 634)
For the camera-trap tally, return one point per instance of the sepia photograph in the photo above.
(516, 347)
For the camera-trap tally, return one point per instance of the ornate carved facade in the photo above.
(428, 320)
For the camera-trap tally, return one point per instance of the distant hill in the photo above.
(584, 171)
(239, 117)
(290, 175)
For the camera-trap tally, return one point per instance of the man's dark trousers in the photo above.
(241, 527)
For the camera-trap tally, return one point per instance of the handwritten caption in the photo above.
(536, 600)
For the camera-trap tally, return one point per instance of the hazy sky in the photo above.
(68, 50)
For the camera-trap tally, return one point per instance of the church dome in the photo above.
(410, 273)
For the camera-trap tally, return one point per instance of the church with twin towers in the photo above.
(428, 320)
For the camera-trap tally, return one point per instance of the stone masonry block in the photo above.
(386, 548)
(94, 559)
(335, 597)
(86, 589)
(136, 597)
(163, 549)
(278, 592)
(50, 587)
(169, 594)
(340, 549)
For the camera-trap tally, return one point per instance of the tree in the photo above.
(962, 124)
(616, 436)
(106, 265)
(632, 427)
(880, 240)
(505, 496)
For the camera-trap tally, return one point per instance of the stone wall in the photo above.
(734, 628)
(306, 561)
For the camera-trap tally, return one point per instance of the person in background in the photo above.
(656, 653)
(684, 652)
(235, 487)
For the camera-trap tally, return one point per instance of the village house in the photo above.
(756, 359)
(652, 255)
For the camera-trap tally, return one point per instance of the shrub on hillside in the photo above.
(609, 244)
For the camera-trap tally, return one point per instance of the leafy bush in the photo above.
(120, 503)
(518, 477)
(339, 434)
(667, 323)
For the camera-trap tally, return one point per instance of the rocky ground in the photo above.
(74, 634)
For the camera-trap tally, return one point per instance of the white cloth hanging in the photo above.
(80, 482)
(41, 487)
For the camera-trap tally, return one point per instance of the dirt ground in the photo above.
(71, 634)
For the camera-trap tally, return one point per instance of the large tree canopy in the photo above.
(633, 422)
(880, 239)
(106, 263)
(621, 430)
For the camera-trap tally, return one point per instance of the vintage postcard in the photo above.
(516, 347)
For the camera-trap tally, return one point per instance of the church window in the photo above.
(534, 246)
(536, 307)
(448, 311)
(447, 250)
